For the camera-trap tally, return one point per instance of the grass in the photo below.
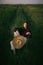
(12, 16)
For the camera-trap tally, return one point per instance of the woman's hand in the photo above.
(28, 33)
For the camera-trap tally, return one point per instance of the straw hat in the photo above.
(18, 42)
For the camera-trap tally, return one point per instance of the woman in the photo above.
(24, 31)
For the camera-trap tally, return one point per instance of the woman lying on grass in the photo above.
(22, 32)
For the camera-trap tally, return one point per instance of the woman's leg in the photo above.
(12, 47)
(25, 40)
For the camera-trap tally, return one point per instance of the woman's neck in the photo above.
(25, 27)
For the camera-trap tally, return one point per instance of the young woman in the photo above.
(24, 31)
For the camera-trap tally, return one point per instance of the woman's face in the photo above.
(25, 25)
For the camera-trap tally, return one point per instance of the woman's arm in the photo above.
(28, 33)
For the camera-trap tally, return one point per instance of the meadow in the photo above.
(12, 16)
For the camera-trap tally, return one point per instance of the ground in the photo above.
(12, 16)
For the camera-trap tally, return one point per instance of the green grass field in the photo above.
(12, 16)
